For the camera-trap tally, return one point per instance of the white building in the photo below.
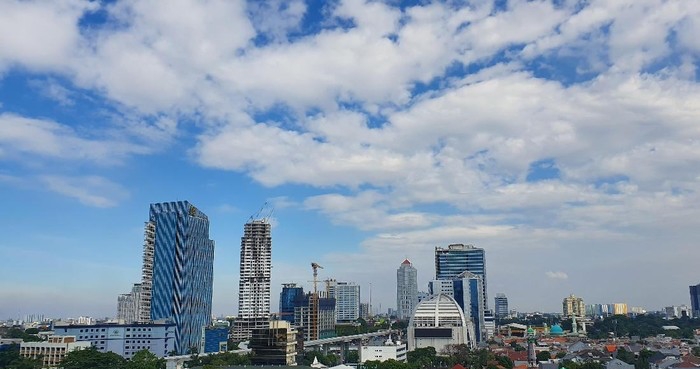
(347, 300)
(128, 305)
(53, 350)
(388, 350)
(124, 339)
(406, 289)
(438, 322)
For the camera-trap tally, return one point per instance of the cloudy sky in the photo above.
(561, 136)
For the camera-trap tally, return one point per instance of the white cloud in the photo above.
(89, 190)
(557, 275)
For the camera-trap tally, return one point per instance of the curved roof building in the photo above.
(438, 322)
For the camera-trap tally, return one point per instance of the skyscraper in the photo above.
(178, 266)
(501, 305)
(457, 258)
(347, 300)
(254, 282)
(290, 297)
(128, 305)
(406, 289)
(573, 306)
(695, 300)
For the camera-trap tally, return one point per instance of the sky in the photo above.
(561, 136)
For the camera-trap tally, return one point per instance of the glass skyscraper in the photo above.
(501, 305)
(466, 288)
(406, 289)
(290, 297)
(695, 300)
(457, 258)
(178, 266)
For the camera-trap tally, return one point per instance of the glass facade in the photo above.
(457, 258)
(695, 300)
(501, 305)
(182, 270)
(290, 297)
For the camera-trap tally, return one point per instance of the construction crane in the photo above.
(314, 331)
(264, 214)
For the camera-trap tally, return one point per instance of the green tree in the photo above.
(145, 359)
(695, 351)
(90, 358)
(10, 359)
(625, 356)
(543, 356)
(422, 357)
(353, 357)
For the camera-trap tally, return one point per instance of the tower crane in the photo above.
(314, 331)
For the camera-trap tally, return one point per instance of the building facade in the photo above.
(466, 288)
(51, 351)
(347, 300)
(275, 345)
(439, 322)
(178, 266)
(304, 319)
(501, 305)
(290, 297)
(406, 289)
(254, 281)
(128, 305)
(387, 350)
(695, 300)
(124, 339)
(214, 339)
(573, 306)
(620, 308)
(457, 258)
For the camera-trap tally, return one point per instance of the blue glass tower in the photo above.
(466, 288)
(695, 300)
(458, 258)
(178, 267)
(290, 297)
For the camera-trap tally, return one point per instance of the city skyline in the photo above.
(559, 136)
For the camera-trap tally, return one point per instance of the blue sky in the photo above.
(561, 136)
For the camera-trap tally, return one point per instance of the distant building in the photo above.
(457, 258)
(364, 310)
(406, 289)
(51, 351)
(254, 281)
(620, 309)
(275, 345)
(695, 300)
(124, 339)
(347, 300)
(214, 339)
(501, 305)
(290, 297)
(673, 312)
(383, 351)
(439, 322)
(422, 295)
(178, 266)
(303, 317)
(573, 306)
(128, 305)
(466, 288)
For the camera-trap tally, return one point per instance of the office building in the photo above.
(290, 297)
(325, 319)
(439, 322)
(466, 289)
(128, 305)
(124, 339)
(364, 310)
(573, 306)
(620, 308)
(695, 300)
(406, 289)
(274, 345)
(254, 281)
(178, 265)
(51, 351)
(457, 258)
(501, 305)
(383, 350)
(214, 339)
(347, 300)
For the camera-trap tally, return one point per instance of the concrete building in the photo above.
(467, 289)
(254, 281)
(128, 305)
(124, 339)
(383, 351)
(303, 317)
(439, 322)
(501, 305)
(347, 300)
(364, 310)
(695, 300)
(457, 258)
(620, 309)
(53, 350)
(178, 266)
(275, 345)
(573, 306)
(406, 289)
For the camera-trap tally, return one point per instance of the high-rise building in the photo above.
(406, 289)
(347, 300)
(325, 319)
(178, 266)
(501, 305)
(620, 308)
(695, 300)
(573, 306)
(289, 298)
(466, 289)
(128, 305)
(254, 282)
(457, 258)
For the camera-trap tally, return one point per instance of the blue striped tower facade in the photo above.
(178, 271)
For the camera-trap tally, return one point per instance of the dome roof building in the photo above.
(556, 330)
(438, 322)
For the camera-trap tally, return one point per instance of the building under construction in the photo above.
(315, 322)
(274, 345)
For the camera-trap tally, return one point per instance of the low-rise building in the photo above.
(53, 350)
(124, 339)
(383, 351)
(276, 345)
